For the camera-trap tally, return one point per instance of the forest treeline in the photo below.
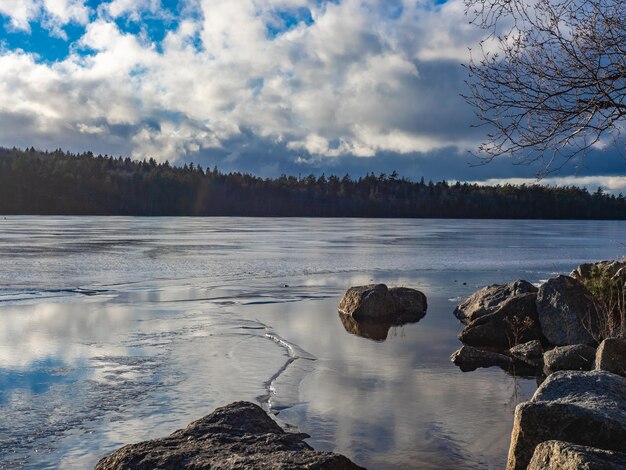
(36, 182)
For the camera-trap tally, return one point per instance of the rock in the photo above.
(488, 299)
(376, 301)
(239, 435)
(409, 303)
(371, 301)
(530, 352)
(584, 408)
(559, 455)
(611, 269)
(514, 322)
(574, 357)
(468, 359)
(568, 313)
(611, 356)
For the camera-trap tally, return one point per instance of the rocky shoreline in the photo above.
(539, 330)
(572, 340)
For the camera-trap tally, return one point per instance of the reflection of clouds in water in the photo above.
(159, 358)
(64, 331)
(139, 365)
(398, 401)
(403, 408)
(169, 341)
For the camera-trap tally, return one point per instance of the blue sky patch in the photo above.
(285, 20)
(256, 85)
(39, 40)
(393, 9)
(152, 28)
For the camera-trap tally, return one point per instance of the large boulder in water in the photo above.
(489, 299)
(378, 302)
(584, 408)
(568, 313)
(513, 322)
(573, 357)
(559, 455)
(239, 435)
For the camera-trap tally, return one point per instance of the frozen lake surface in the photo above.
(115, 330)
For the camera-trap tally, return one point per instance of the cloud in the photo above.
(314, 81)
(52, 14)
(20, 12)
(66, 11)
(134, 8)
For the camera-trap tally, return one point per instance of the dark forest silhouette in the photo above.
(36, 182)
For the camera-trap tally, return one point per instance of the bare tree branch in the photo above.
(556, 83)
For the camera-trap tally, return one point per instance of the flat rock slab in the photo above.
(559, 455)
(378, 302)
(469, 358)
(530, 352)
(237, 436)
(584, 408)
(574, 357)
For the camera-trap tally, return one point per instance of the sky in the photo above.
(263, 86)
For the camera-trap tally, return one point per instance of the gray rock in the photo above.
(612, 269)
(584, 408)
(574, 357)
(611, 356)
(530, 352)
(409, 303)
(239, 435)
(376, 301)
(488, 299)
(559, 455)
(512, 323)
(568, 313)
(468, 359)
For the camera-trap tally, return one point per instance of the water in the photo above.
(115, 330)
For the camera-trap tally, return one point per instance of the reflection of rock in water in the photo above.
(376, 330)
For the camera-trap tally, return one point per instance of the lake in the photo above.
(120, 329)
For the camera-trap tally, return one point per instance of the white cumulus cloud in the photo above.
(347, 78)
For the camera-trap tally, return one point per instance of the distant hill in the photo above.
(35, 182)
